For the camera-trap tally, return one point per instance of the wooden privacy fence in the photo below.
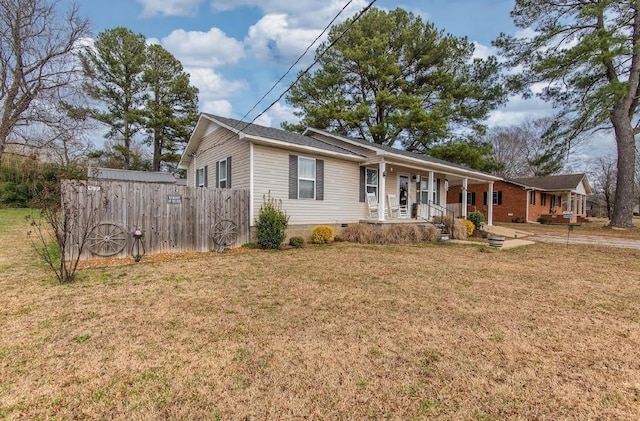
(171, 218)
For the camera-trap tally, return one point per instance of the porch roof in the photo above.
(417, 160)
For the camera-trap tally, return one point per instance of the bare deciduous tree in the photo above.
(527, 149)
(36, 62)
(604, 176)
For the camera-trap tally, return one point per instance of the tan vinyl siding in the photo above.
(341, 202)
(230, 146)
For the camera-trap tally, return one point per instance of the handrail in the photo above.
(440, 210)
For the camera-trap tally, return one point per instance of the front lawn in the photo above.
(338, 332)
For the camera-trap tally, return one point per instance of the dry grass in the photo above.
(440, 332)
(595, 227)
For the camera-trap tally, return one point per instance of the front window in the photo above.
(532, 197)
(306, 178)
(222, 174)
(371, 183)
(497, 197)
(424, 192)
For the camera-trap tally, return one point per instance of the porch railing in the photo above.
(428, 210)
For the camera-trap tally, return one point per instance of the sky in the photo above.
(235, 50)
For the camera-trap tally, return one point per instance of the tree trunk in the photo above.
(625, 140)
(157, 148)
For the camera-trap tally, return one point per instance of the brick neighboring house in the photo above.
(527, 199)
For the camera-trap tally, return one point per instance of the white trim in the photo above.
(226, 172)
(251, 185)
(367, 185)
(315, 181)
(490, 204)
(382, 168)
(465, 200)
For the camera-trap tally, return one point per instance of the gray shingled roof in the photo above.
(552, 182)
(420, 156)
(279, 134)
(129, 175)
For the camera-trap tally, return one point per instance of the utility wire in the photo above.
(304, 72)
(326, 28)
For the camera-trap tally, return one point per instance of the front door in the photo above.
(403, 193)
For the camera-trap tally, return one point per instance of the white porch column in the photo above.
(569, 203)
(490, 205)
(465, 182)
(579, 199)
(584, 205)
(382, 170)
(430, 195)
(575, 204)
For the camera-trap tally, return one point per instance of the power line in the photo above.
(298, 60)
(304, 72)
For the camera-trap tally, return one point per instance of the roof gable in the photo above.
(560, 182)
(253, 131)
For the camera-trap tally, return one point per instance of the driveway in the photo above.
(591, 240)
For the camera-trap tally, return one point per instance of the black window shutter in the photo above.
(206, 176)
(460, 197)
(499, 197)
(217, 174)
(293, 176)
(484, 198)
(229, 172)
(319, 179)
(363, 175)
(473, 198)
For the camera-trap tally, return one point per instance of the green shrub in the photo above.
(296, 242)
(477, 218)
(271, 224)
(322, 234)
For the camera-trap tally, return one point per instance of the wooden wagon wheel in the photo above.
(224, 233)
(106, 239)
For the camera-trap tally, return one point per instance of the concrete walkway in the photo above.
(515, 238)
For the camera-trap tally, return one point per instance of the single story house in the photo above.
(528, 199)
(321, 178)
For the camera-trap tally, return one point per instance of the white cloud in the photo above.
(277, 114)
(212, 85)
(263, 120)
(272, 39)
(483, 51)
(204, 49)
(220, 107)
(169, 7)
(302, 13)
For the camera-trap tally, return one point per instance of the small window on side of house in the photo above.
(222, 174)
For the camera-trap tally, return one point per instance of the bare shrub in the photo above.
(430, 233)
(459, 229)
(358, 233)
(67, 212)
(399, 234)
